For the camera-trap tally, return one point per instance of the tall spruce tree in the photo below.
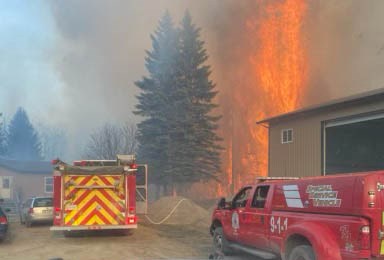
(155, 102)
(201, 146)
(22, 140)
(177, 137)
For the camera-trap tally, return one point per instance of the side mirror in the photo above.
(221, 204)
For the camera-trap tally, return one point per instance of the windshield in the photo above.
(42, 202)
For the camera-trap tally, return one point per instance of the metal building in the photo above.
(340, 136)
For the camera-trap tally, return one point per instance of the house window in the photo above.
(286, 136)
(48, 184)
(6, 183)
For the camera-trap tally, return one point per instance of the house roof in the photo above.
(33, 167)
(368, 96)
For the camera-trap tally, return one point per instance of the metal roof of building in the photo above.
(368, 96)
(33, 167)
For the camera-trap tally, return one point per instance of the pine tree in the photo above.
(22, 140)
(177, 137)
(202, 156)
(155, 102)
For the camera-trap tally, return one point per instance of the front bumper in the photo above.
(40, 218)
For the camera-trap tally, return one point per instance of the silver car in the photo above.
(37, 210)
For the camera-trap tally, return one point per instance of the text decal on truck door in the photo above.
(278, 224)
(323, 196)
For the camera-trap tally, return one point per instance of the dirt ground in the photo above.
(184, 235)
(147, 242)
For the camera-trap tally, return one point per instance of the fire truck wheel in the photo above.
(303, 252)
(220, 243)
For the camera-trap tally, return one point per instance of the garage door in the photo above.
(354, 145)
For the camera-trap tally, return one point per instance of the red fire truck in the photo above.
(94, 194)
(324, 218)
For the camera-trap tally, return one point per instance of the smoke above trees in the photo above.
(98, 52)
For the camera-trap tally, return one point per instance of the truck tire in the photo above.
(302, 252)
(220, 243)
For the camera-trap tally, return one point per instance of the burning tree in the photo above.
(177, 137)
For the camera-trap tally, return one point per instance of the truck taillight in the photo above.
(30, 210)
(133, 166)
(3, 220)
(132, 210)
(365, 237)
(57, 216)
(57, 213)
(131, 220)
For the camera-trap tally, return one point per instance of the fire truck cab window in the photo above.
(241, 198)
(260, 197)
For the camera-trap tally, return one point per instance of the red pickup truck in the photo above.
(324, 218)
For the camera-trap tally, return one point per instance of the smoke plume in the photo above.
(102, 47)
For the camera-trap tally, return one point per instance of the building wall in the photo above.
(25, 185)
(303, 157)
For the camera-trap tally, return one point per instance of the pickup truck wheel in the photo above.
(303, 252)
(220, 243)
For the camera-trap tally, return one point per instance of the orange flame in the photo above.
(278, 74)
(280, 63)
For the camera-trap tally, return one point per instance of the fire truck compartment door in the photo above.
(94, 200)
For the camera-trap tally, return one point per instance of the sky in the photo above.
(27, 77)
(60, 62)
(72, 64)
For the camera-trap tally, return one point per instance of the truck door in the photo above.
(233, 227)
(255, 219)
